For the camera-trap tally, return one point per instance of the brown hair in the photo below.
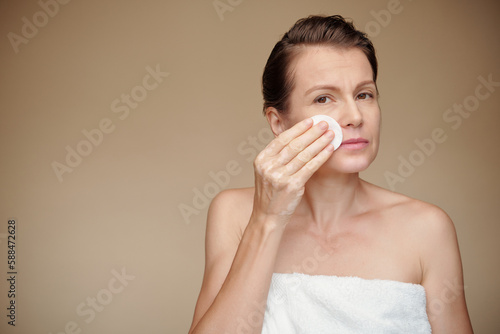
(277, 80)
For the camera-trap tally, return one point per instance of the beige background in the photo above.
(120, 207)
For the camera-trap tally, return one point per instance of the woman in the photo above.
(325, 251)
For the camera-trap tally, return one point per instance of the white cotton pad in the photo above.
(332, 125)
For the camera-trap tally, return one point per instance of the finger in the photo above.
(310, 152)
(284, 138)
(314, 164)
(299, 144)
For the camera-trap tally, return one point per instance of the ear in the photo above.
(275, 120)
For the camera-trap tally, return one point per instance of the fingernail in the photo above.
(323, 125)
(329, 134)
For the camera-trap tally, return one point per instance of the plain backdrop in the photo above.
(120, 120)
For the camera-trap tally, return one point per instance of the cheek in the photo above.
(290, 120)
(373, 119)
(296, 112)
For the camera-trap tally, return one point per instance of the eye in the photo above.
(365, 96)
(322, 99)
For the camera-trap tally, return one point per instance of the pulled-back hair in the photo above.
(277, 80)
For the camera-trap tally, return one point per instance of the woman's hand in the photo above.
(284, 166)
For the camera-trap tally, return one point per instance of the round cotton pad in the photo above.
(332, 125)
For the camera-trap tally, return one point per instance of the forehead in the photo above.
(328, 65)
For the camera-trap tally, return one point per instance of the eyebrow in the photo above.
(335, 88)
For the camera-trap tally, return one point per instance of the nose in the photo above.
(350, 115)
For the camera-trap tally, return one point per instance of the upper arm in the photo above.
(223, 234)
(442, 275)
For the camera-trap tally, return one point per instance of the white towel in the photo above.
(301, 304)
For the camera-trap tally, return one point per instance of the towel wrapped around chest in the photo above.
(319, 304)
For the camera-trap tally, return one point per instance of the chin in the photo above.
(348, 165)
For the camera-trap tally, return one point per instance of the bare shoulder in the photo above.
(420, 216)
(234, 202)
(228, 215)
(230, 211)
(235, 199)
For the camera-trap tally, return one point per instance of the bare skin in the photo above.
(309, 202)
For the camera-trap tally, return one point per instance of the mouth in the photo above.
(354, 144)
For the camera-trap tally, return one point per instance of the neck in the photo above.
(330, 199)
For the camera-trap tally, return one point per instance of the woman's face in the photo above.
(338, 83)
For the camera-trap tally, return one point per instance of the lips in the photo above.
(354, 143)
